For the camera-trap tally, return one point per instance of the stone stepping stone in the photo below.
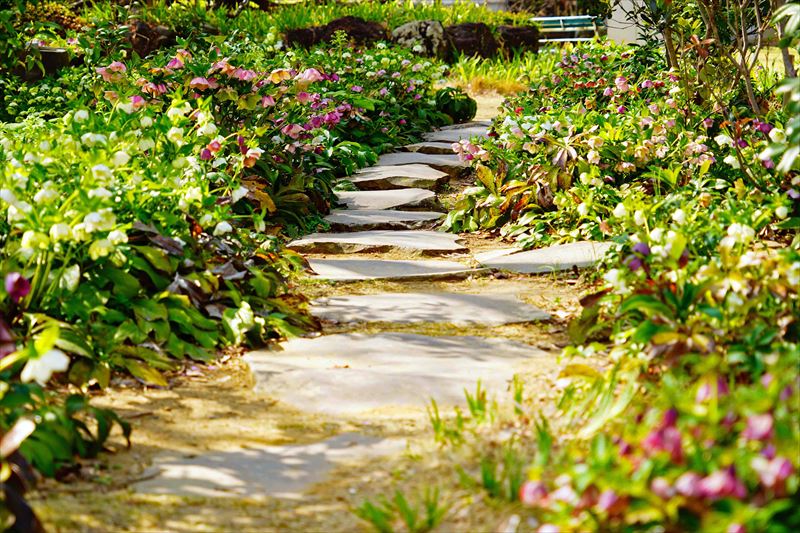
(449, 163)
(370, 269)
(420, 241)
(398, 177)
(453, 135)
(430, 148)
(353, 373)
(383, 219)
(395, 199)
(445, 307)
(471, 124)
(582, 254)
(262, 471)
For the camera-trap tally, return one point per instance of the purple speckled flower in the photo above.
(641, 248)
(722, 484)
(356, 88)
(793, 194)
(622, 109)
(17, 286)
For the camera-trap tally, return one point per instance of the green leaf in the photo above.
(144, 372)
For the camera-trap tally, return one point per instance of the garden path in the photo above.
(381, 355)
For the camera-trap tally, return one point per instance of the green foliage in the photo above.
(456, 104)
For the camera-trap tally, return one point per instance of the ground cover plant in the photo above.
(680, 396)
(144, 202)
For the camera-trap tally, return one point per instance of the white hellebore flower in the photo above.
(146, 122)
(101, 172)
(60, 232)
(41, 368)
(175, 135)
(615, 278)
(723, 140)
(146, 144)
(782, 211)
(117, 237)
(238, 194)
(100, 248)
(100, 192)
(45, 196)
(620, 210)
(679, 216)
(207, 129)
(120, 158)
(639, 218)
(583, 209)
(31, 240)
(80, 116)
(732, 161)
(777, 135)
(222, 228)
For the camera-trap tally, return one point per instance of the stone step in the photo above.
(430, 148)
(260, 471)
(420, 242)
(470, 124)
(453, 135)
(556, 258)
(355, 373)
(444, 307)
(449, 163)
(400, 270)
(394, 199)
(381, 219)
(398, 177)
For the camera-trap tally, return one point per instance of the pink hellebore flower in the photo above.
(704, 392)
(622, 110)
(292, 130)
(532, 493)
(267, 101)
(708, 122)
(653, 109)
(736, 528)
(252, 155)
(608, 91)
(17, 286)
(773, 471)
(722, 484)
(303, 97)
(309, 75)
(688, 484)
(759, 427)
(206, 155)
(137, 101)
(661, 488)
(647, 84)
(610, 503)
(199, 83)
(622, 84)
(175, 64)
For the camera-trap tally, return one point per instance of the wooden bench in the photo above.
(576, 24)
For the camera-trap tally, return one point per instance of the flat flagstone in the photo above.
(395, 199)
(353, 373)
(364, 269)
(434, 147)
(419, 241)
(407, 308)
(582, 254)
(262, 471)
(471, 124)
(384, 219)
(453, 135)
(449, 163)
(398, 177)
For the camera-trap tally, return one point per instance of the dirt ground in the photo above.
(214, 407)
